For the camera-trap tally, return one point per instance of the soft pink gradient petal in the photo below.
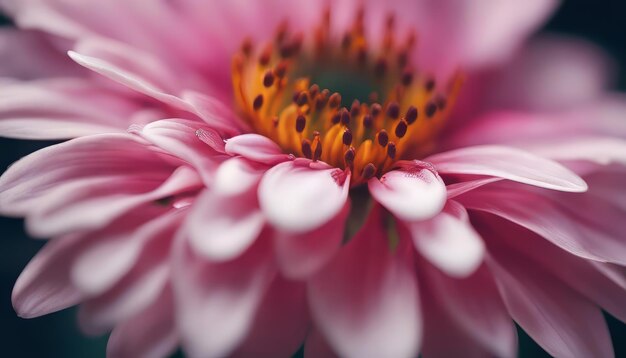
(179, 138)
(30, 55)
(443, 337)
(297, 198)
(365, 301)
(281, 322)
(70, 209)
(216, 302)
(474, 304)
(415, 192)
(591, 279)
(257, 148)
(148, 334)
(49, 109)
(554, 223)
(448, 241)
(552, 72)
(508, 163)
(221, 228)
(108, 257)
(44, 286)
(299, 255)
(560, 320)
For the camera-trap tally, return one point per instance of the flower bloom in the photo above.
(371, 179)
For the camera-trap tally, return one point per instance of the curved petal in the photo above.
(44, 285)
(474, 305)
(416, 192)
(216, 302)
(508, 163)
(297, 198)
(180, 138)
(548, 218)
(300, 255)
(257, 148)
(221, 227)
(449, 242)
(365, 302)
(149, 334)
(560, 320)
(317, 347)
(281, 323)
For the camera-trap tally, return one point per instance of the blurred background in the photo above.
(57, 335)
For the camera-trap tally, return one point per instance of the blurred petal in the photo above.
(256, 148)
(365, 302)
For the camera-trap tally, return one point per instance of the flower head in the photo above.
(364, 178)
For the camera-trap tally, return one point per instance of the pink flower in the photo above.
(215, 194)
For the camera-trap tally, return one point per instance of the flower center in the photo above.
(294, 90)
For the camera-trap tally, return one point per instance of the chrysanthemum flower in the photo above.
(372, 179)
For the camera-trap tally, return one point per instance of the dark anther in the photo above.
(303, 98)
(393, 110)
(347, 137)
(430, 84)
(268, 79)
(258, 102)
(306, 149)
(345, 117)
(368, 121)
(281, 69)
(368, 171)
(355, 108)
(383, 138)
(300, 123)
(380, 67)
(349, 155)
(441, 102)
(314, 90)
(411, 115)
(335, 100)
(391, 150)
(431, 108)
(376, 109)
(318, 151)
(401, 129)
(336, 118)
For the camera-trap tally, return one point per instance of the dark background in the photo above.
(57, 335)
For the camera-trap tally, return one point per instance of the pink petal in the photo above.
(149, 334)
(44, 286)
(281, 323)
(443, 336)
(553, 72)
(216, 112)
(237, 176)
(100, 157)
(474, 305)
(29, 55)
(543, 215)
(508, 163)
(70, 208)
(130, 79)
(449, 242)
(478, 32)
(365, 302)
(457, 189)
(63, 108)
(297, 198)
(416, 192)
(179, 138)
(256, 148)
(216, 302)
(300, 255)
(591, 279)
(113, 252)
(222, 227)
(560, 320)
(599, 150)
